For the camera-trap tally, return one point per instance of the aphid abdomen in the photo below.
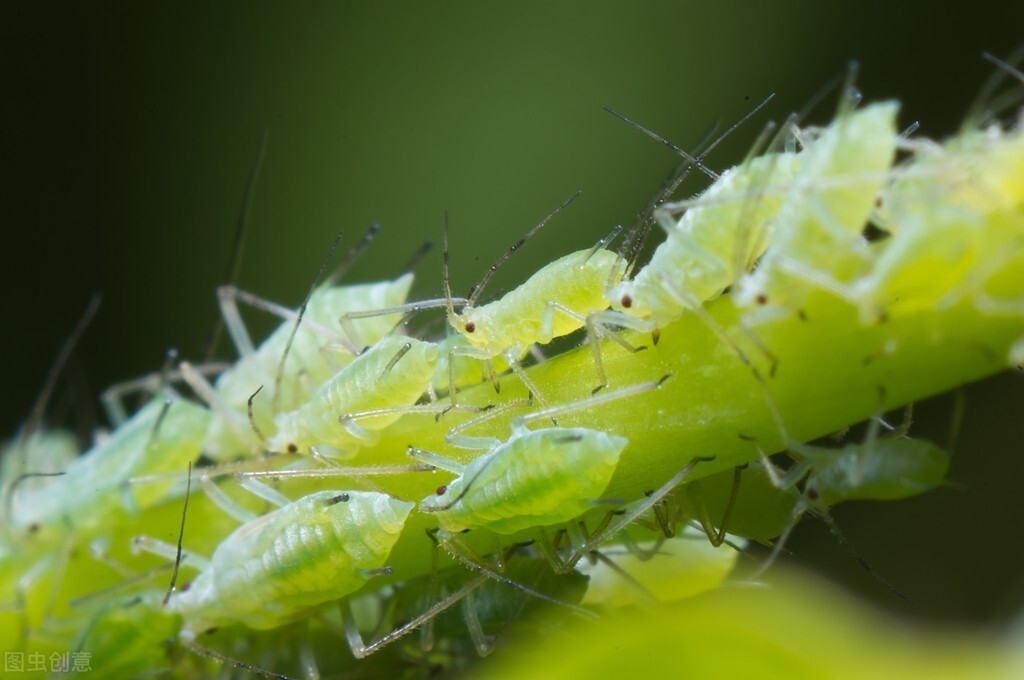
(541, 478)
(273, 569)
(375, 380)
(576, 281)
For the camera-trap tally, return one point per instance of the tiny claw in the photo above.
(598, 388)
(655, 335)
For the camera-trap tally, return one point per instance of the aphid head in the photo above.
(466, 324)
(623, 298)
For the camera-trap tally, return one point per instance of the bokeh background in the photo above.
(129, 132)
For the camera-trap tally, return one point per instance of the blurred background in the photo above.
(129, 133)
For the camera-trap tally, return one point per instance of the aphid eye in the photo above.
(470, 327)
(184, 586)
(441, 490)
(761, 299)
(292, 448)
(812, 494)
(33, 528)
(334, 500)
(627, 301)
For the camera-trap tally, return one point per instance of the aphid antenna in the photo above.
(644, 220)
(295, 329)
(475, 291)
(986, 104)
(252, 418)
(238, 247)
(181, 534)
(696, 162)
(641, 228)
(850, 97)
(154, 434)
(417, 257)
(841, 537)
(354, 253)
(824, 91)
(35, 417)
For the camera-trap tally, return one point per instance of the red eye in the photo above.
(292, 448)
(470, 326)
(761, 298)
(812, 494)
(441, 490)
(627, 301)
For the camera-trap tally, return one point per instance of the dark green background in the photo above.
(128, 133)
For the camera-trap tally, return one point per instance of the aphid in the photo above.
(819, 235)
(557, 300)
(316, 354)
(537, 478)
(387, 380)
(280, 566)
(934, 247)
(93, 490)
(718, 238)
(891, 467)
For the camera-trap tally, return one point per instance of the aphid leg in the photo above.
(642, 554)
(332, 472)
(455, 437)
(637, 509)
(230, 296)
(113, 397)
(595, 400)
(698, 310)
(307, 659)
(224, 502)
(475, 353)
(717, 537)
(200, 650)
(352, 335)
(207, 393)
(484, 643)
(435, 461)
(371, 436)
(237, 248)
(462, 553)
(155, 546)
(361, 650)
(780, 543)
(596, 331)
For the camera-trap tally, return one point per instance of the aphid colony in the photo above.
(88, 542)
